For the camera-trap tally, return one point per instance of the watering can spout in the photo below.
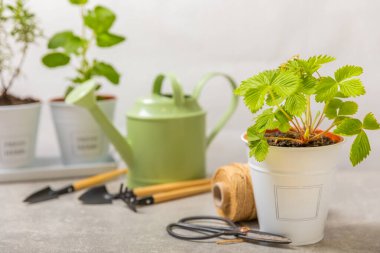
(84, 96)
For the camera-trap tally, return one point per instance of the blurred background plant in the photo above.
(18, 30)
(67, 47)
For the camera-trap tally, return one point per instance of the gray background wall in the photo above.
(191, 38)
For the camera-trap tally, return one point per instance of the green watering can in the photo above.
(166, 133)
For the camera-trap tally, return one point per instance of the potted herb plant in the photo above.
(19, 117)
(80, 138)
(292, 159)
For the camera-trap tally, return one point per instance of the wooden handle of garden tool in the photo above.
(97, 179)
(150, 190)
(181, 193)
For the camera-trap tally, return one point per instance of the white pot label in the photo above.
(14, 148)
(87, 144)
(297, 203)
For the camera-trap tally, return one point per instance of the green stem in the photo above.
(309, 120)
(303, 122)
(319, 123)
(84, 61)
(283, 111)
(298, 123)
(323, 133)
(321, 117)
(315, 121)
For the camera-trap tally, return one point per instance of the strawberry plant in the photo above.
(67, 46)
(287, 94)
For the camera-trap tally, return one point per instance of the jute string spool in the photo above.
(233, 192)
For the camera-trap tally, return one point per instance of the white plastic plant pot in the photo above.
(292, 188)
(80, 139)
(18, 133)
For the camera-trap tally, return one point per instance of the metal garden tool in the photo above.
(208, 227)
(146, 195)
(47, 193)
(166, 132)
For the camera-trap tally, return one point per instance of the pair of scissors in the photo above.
(207, 227)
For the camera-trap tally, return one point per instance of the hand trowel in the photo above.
(48, 193)
(147, 195)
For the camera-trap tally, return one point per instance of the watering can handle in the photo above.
(179, 98)
(232, 107)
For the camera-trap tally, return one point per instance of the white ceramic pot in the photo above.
(18, 133)
(80, 138)
(292, 188)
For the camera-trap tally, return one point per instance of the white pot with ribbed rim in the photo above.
(292, 188)
(18, 134)
(80, 138)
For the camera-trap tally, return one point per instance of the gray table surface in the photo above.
(65, 225)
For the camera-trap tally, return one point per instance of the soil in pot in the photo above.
(13, 100)
(280, 139)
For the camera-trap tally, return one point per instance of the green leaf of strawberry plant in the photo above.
(296, 104)
(253, 135)
(326, 89)
(349, 127)
(266, 120)
(347, 72)
(370, 122)
(360, 148)
(259, 149)
(350, 86)
(284, 84)
(332, 108)
(348, 108)
(314, 63)
(308, 85)
(254, 98)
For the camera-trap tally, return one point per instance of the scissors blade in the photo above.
(265, 237)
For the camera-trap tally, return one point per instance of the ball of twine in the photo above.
(233, 192)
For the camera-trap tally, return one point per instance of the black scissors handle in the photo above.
(230, 229)
(209, 231)
(212, 233)
(203, 217)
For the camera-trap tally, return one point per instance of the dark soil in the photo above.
(12, 100)
(322, 141)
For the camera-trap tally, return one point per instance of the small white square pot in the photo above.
(18, 133)
(80, 138)
(292, 188)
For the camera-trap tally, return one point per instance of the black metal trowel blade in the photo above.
(96, 195)
(42, 195)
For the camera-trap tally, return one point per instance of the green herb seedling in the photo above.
(18, 30)
(287, 92)
(67, 46)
